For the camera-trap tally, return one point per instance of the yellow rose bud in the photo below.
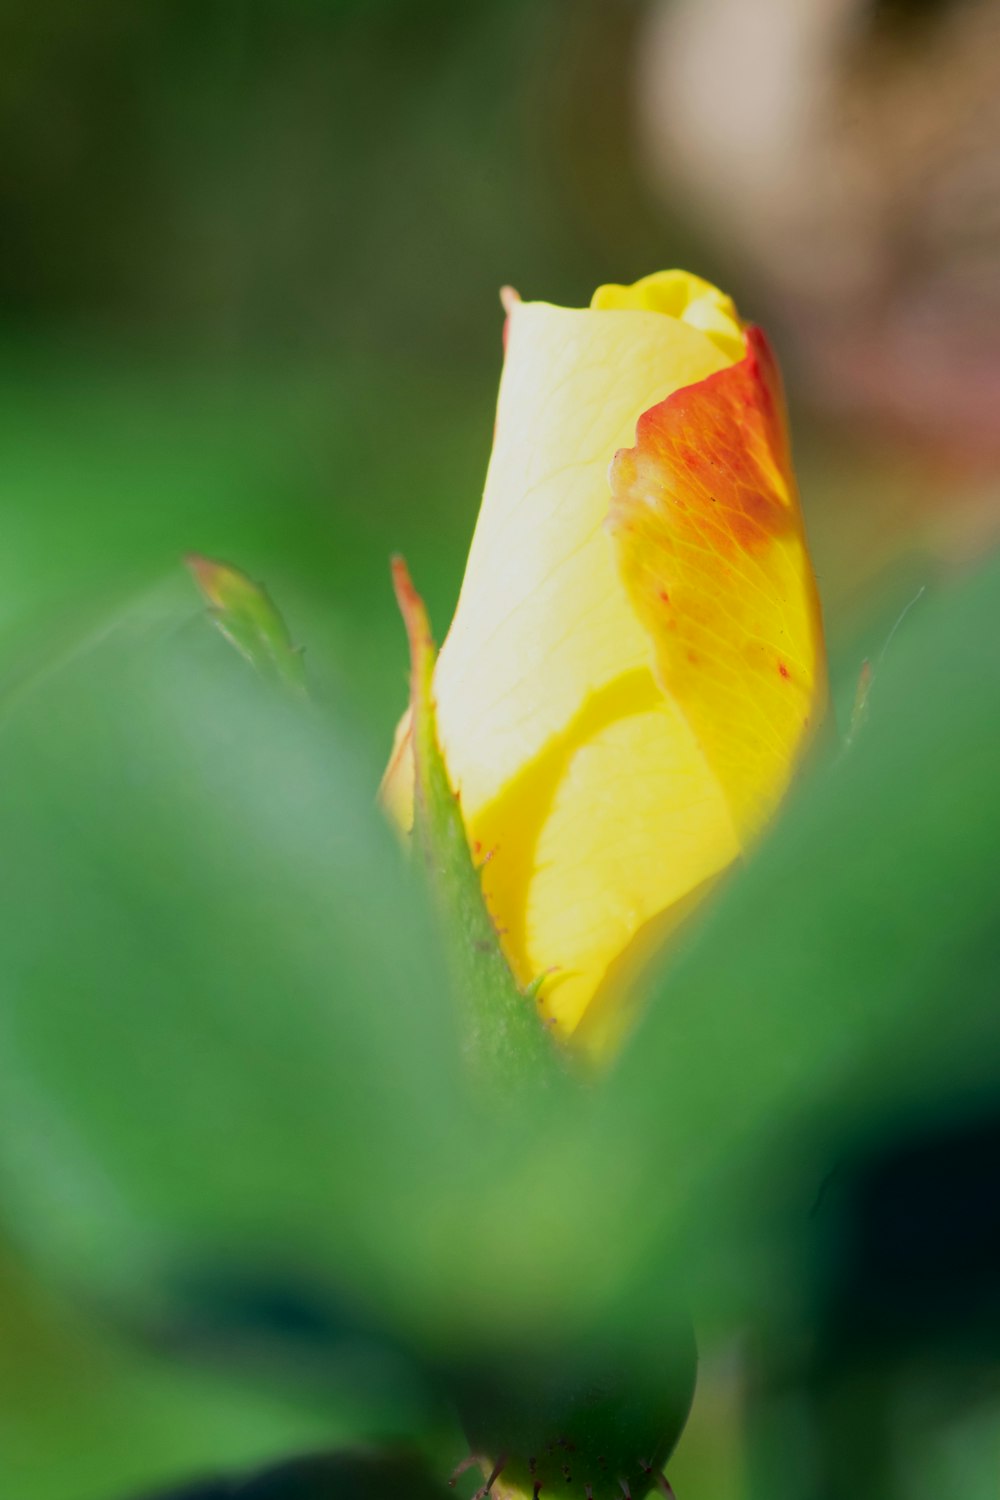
(636, 659)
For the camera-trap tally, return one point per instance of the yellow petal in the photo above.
(713, 554)
(581, 784)
(681, 295)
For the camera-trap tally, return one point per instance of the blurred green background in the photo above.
(251, 251)
(248, 290)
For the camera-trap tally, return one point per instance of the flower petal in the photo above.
(711, 547)
(681, 295)
(580, 783)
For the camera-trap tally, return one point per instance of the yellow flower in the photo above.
(636, 660)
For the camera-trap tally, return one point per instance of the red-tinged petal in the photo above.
(712, 551)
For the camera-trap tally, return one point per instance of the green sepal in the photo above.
(244, 613)
(505, 1037)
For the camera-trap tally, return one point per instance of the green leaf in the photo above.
(240, 1062)
(247, 618)
(507, 1043)
(227, 1036)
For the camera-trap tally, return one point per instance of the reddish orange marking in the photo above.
(695, 427)
(705, 518)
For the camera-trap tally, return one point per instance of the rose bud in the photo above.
(636, 661)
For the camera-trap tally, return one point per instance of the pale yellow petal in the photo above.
(542, 620)
(547, 664)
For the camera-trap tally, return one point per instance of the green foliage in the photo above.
(216, 973)
(231, 1047)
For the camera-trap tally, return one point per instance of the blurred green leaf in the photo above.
(228, 1040)
(227, 1035)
